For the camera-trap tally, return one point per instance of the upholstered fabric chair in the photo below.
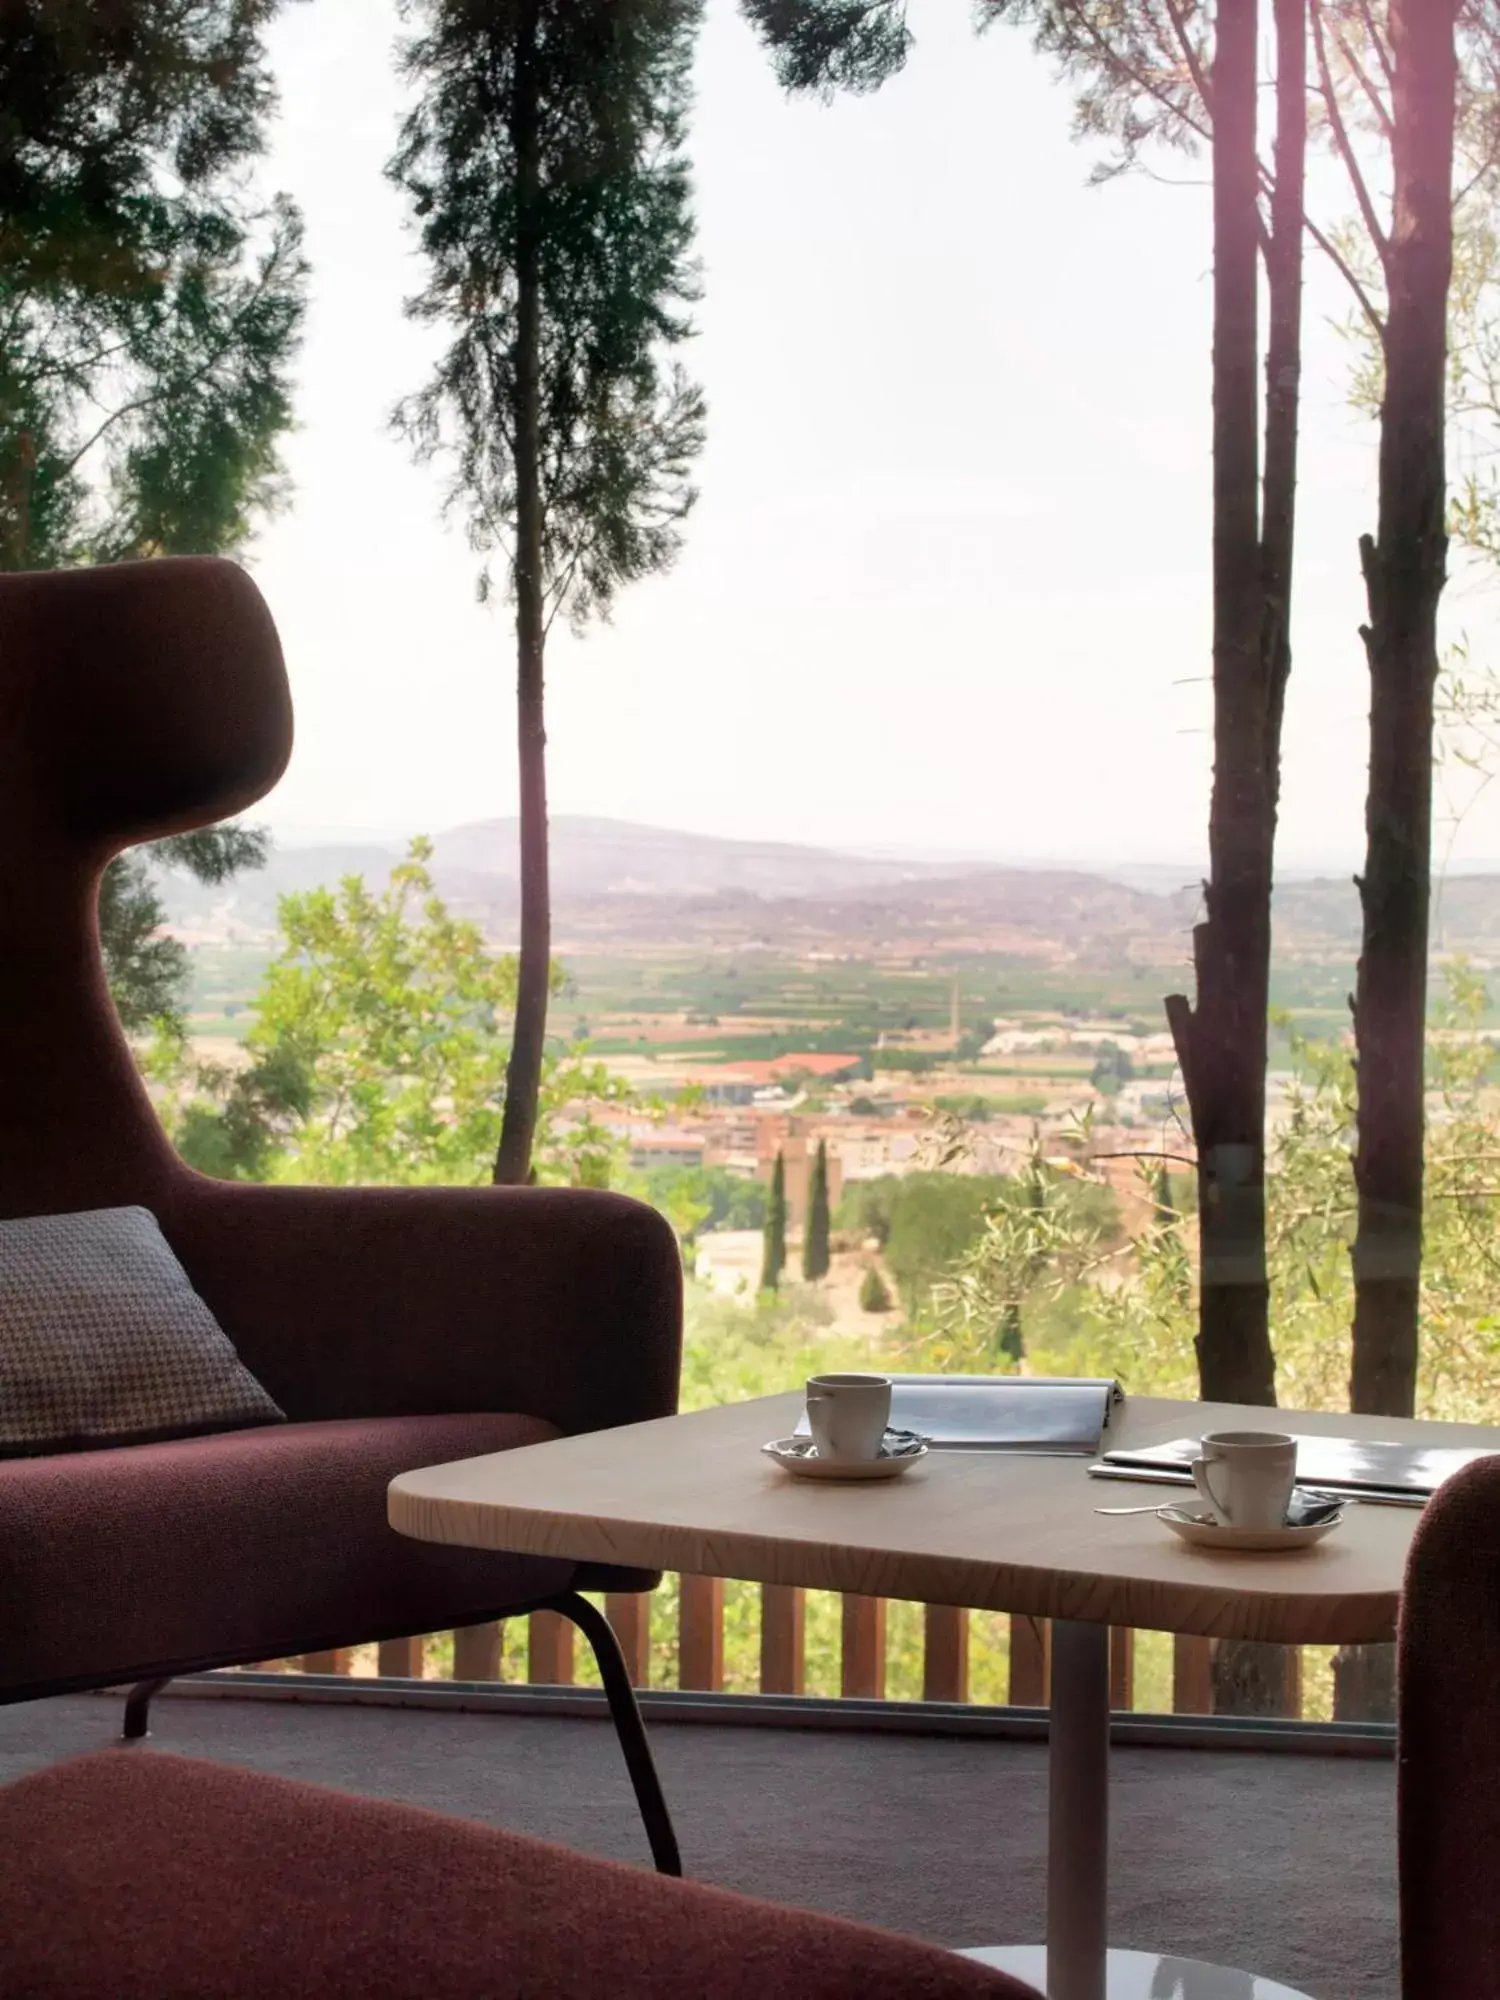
(163, 1878)
(396, 1327)
(1448, 1723)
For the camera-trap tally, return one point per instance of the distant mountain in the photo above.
(615, 883)
(245, 907)
(614, 857)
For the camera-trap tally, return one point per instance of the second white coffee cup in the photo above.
(848, 1415)
(1247, 1477)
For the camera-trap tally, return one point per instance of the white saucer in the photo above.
(799, 1455)
(1198, 1526)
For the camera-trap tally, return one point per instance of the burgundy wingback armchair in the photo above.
(396, 1327)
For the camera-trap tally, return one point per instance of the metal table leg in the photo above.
(1078, 1813)
(1077, 1964)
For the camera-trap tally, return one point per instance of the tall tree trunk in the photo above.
(1221, 1043)
(1283, 375)
(1404, 569)
(523, 1076)
(1251, 1678)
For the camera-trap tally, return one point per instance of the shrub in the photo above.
(874, 1293)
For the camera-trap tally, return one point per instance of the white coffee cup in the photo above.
(848, 1415)
(1247, 1476)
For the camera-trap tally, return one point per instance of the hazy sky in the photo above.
(947, 583)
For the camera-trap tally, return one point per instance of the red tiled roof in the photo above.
(812, 1065)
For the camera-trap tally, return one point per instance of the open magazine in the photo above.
(1046, 1414)
(1403, 1474)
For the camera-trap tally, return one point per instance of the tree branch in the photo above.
(1146, 1153)
(1377, 42)
(1341, 135)
(1357, 69)
(1191, 57)
(1350, 277)
(177, 384)
(1110, 59)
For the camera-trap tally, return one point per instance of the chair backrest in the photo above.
(1449, 1744)
(135, 700)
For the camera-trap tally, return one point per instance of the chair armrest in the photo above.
(365, 1302)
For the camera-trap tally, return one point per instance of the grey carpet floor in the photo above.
(1281, 1864)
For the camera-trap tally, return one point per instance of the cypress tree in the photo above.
(874, 1293)
(815, 1257)
(774, 1261)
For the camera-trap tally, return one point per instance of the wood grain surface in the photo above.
(996, 1533)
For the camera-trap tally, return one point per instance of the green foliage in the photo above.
(1092, 1304)
(973, 1109)
(150, 314)
(866, 1207)
(734, 1349)
(1136, 66)
(934, 1220)
(378, 1054)
(773, 1263)
(603, 207)
(1113, 1068)
(1037, 1237)
(150, 307)
(815, 1245)
(828, 45)
(971, 1043)
(874, 1293)
(148, 973)
(696, 1199)
(977, 1110)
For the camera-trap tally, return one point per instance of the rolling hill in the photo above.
(616, 884)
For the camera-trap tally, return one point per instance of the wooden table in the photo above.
(992, 1532)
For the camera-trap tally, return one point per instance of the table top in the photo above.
(996, 1532)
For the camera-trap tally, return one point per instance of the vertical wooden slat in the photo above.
(336, 1662)
(863, 1661)
(1192, 1676)
(783, 1655)
(1293, 1681)
(1121, 1668)
(629, 1613)
(549, 1649)
(700, 1633)
(400, 1659)
(1030, 1661)
(945, 1653)
(476, 1652)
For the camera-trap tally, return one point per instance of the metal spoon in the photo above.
(1319, 1507)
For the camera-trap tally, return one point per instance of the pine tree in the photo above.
(545, 169)
(148, 972)
(774, 1261)
(152, 309)
(815, 1253)
(151, 304)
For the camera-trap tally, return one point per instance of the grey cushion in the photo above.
(103, 1340)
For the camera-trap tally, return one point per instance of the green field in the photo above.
(617, 1000)
(225, 981)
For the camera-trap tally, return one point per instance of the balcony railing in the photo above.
(676, 1639)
